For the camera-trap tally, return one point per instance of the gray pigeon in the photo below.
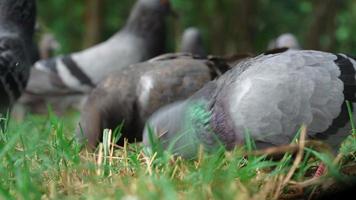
(286, 40)
(17, 22)
(268, 97)
(48, 45)
(142, 37)
(132, 95)
(192, 42)
(65, 80)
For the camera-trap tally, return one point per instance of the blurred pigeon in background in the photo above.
(192, 42)
(60, 81)
(141, 38)
(268, 97)
(131, 96)
(48, 45)
(286, 40)
(17, 21)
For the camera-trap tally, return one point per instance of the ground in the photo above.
(40, 159)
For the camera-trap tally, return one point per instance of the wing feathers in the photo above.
(304, 84)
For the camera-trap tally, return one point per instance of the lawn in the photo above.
(40, 159)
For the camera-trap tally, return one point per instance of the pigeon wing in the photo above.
(278, 93)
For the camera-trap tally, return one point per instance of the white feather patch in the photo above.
(67, 78)
(146, 83)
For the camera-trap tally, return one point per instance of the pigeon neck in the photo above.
(220, 127)
(222, 124)
(149, 24)
(220, 121)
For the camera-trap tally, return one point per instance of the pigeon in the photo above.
(287, 40)
(269, 97)
(192, 42)
(133, 94)
(17, 22)
(64, 81)
(142, 37)
(48, 45)
(38, 104)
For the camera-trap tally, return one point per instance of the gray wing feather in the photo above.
(296, 87)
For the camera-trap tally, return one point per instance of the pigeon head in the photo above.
(181, 127)
(20, 14)
(48, 45)
(163, 6)
(171, 127)
(148, 14)
(287, 40)
(192, 42)
(148, 20)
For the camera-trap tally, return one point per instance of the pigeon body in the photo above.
(268, 97)
(132, 95)
(17, 21)
(192, 42)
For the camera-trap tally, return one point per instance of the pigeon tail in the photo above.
(341, 126)
(347, 66)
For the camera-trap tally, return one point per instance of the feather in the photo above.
(270, 97)
(132, 95)
(17, 20)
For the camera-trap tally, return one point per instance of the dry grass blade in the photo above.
(338, 158)
(299, 156)
(284, 180)
(290, 148)
(100, 159)
(200, 156)
(279, 188)
(309, 182)
(149, 163)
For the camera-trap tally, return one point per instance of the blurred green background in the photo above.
(228, 26)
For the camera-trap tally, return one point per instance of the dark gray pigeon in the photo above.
(192, 42)
(269, 97)
(286, 40)
(142, 37)
(132, 95)
(17, 22)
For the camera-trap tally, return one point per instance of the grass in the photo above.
(40, 159)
